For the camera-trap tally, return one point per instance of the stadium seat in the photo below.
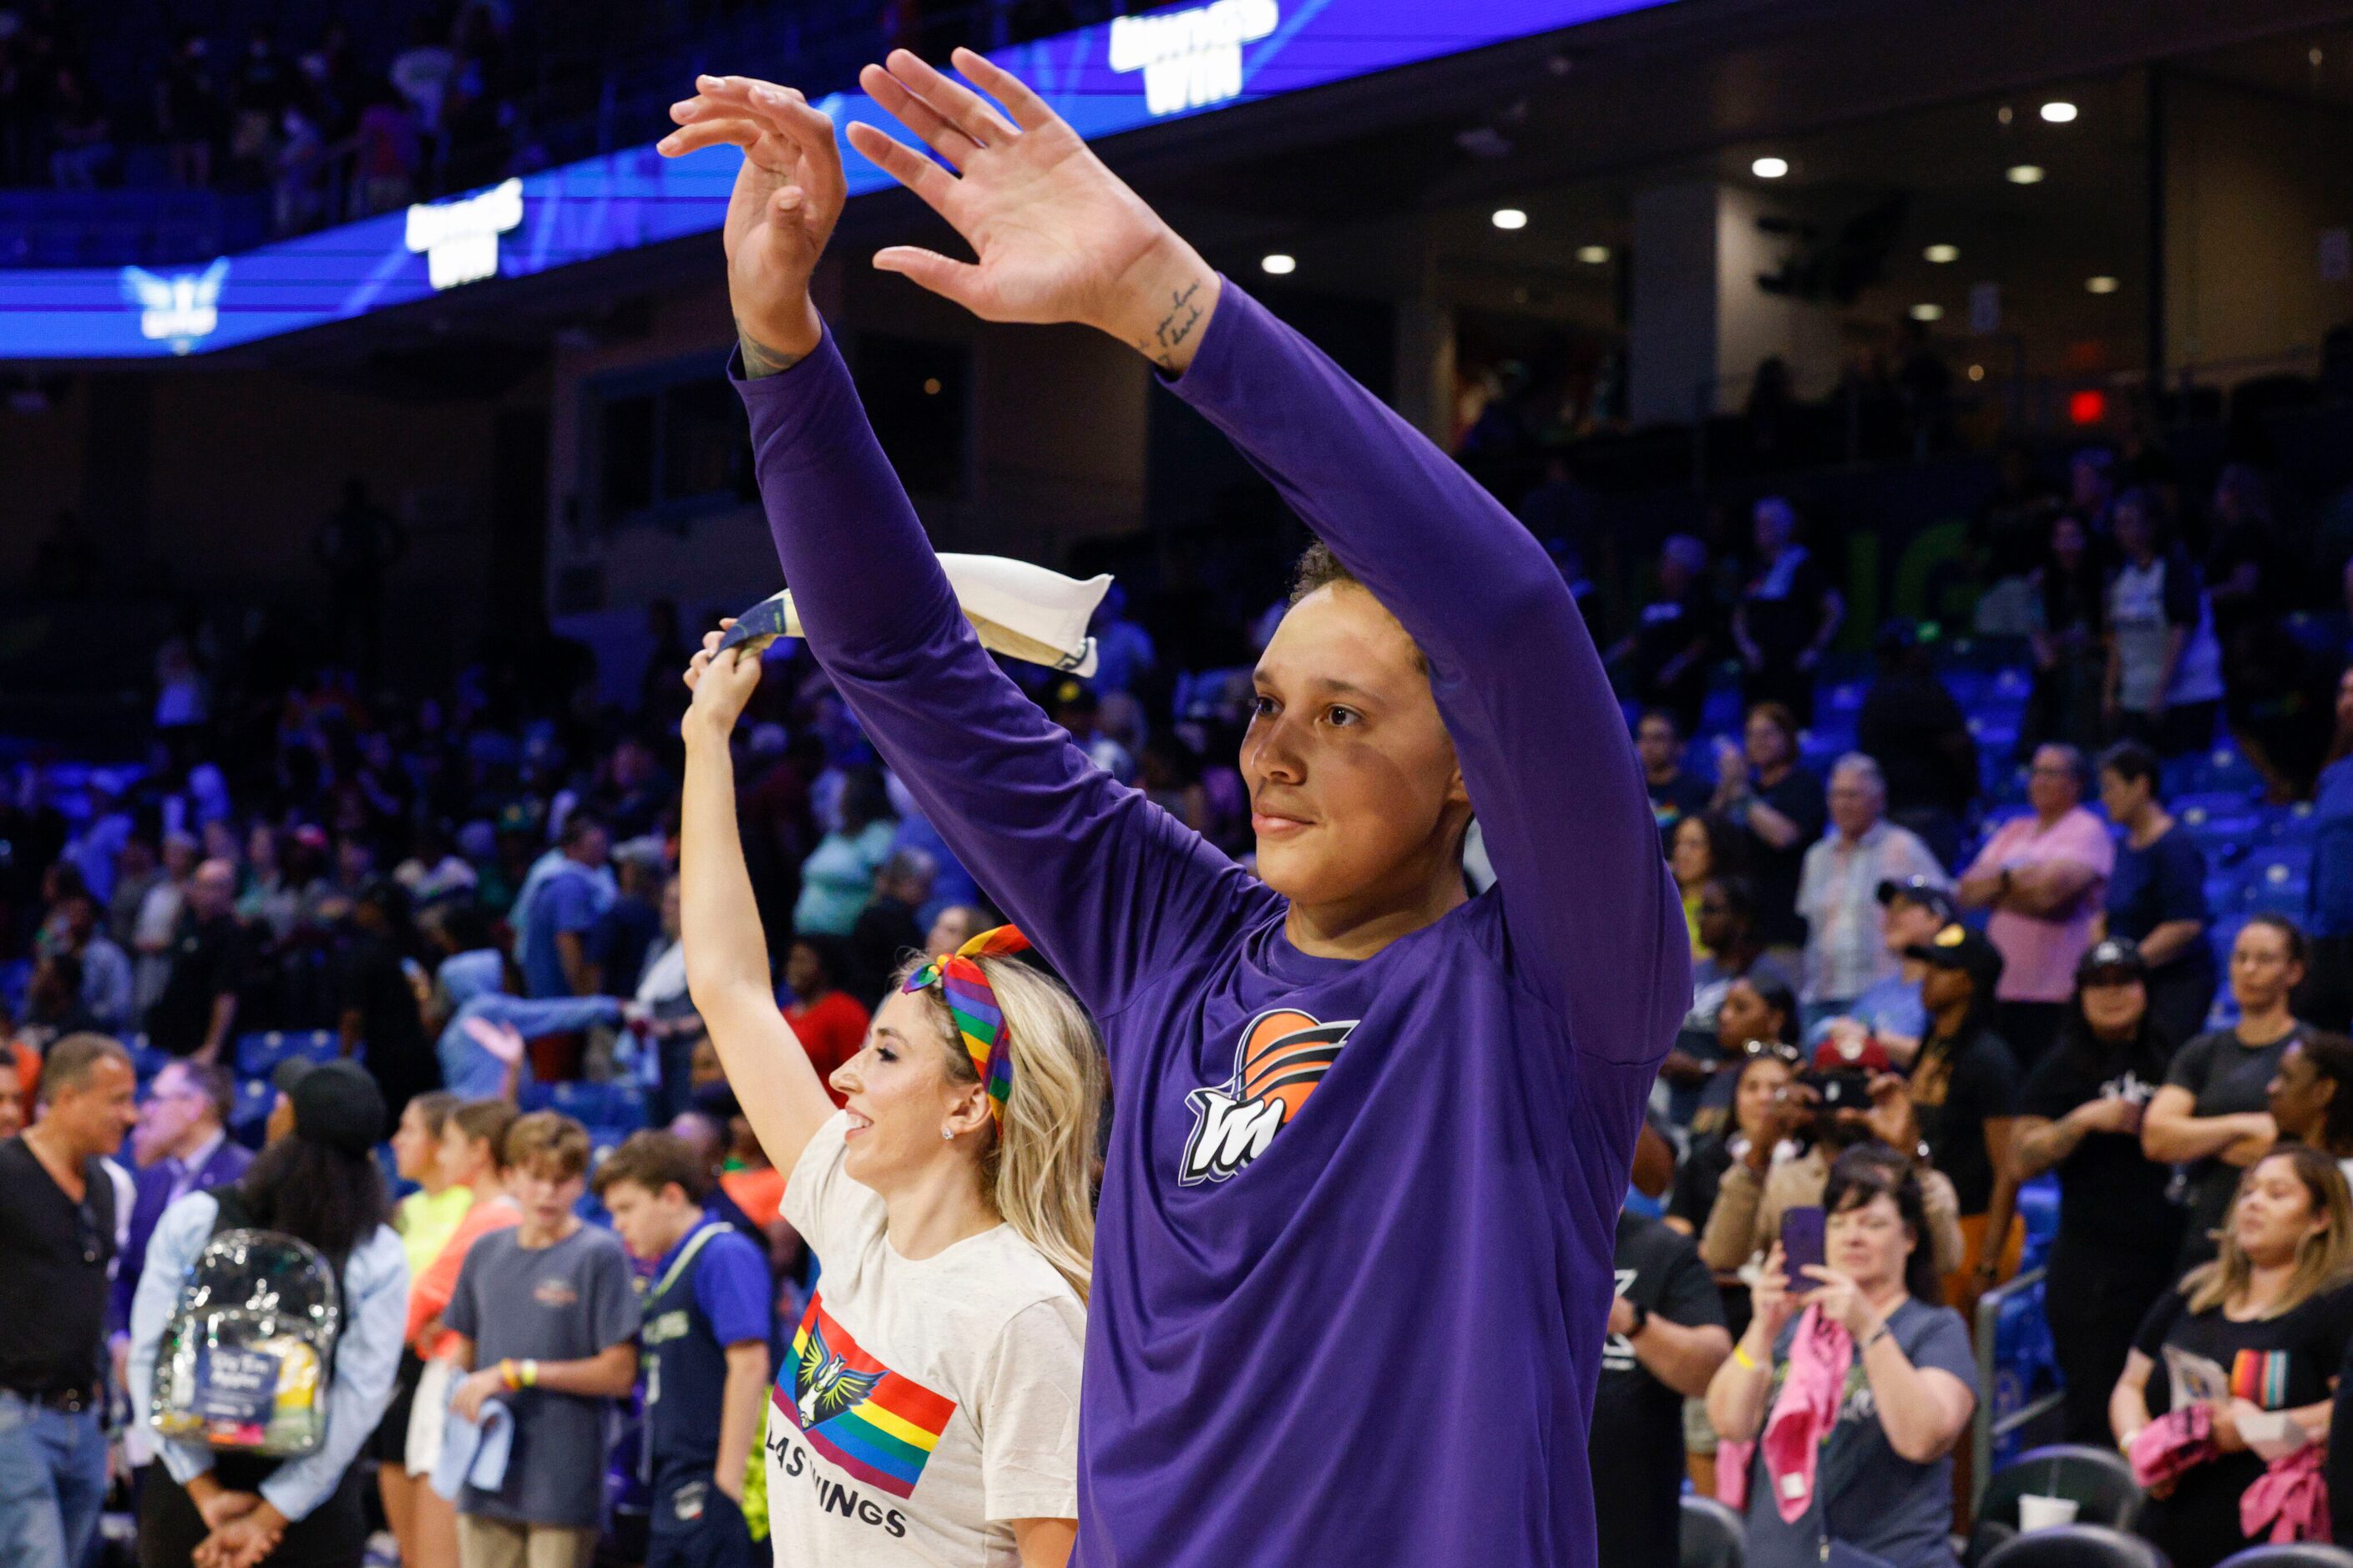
(145, 1059)
(258, 1055)
(2077, 1546)
(2300, 1554)
(1712, 1535)
(2099, 1481)
(602, 1106)
(251, 1117)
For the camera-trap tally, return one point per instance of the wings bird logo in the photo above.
(177, 309)
(1282, 1054)
(828, 1384)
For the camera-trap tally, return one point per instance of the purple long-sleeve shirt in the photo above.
(1367, 1334)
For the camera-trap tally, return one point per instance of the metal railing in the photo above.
(1985, 1429)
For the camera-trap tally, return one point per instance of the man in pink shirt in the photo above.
(2042, 876)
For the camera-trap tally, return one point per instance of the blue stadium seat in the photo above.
(247, 1121)
(601, 1104)
(145, 1059)
(258, 1055)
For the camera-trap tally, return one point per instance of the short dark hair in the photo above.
(1664, 717)
(1739, 895)
(2299, 946)
(2133, 763)
(1779, 715)
(68, 1063)
(653, 1159)
(578, 826)
(2331, 1056)
(215, 1082)
(1317, 567)
(1868, 1170)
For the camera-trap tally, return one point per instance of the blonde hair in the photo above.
(2323, 1259)
(1039, 1168)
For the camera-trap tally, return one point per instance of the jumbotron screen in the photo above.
(1104, 80)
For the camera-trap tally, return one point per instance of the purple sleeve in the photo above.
(1596, 927)
(1110, 887)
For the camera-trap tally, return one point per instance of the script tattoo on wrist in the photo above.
(1174, 328)
(760, 360)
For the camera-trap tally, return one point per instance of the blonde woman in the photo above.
(2272, 1312)
(928, 1410)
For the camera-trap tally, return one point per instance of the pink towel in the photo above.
(2171, 1443)
(2292, 1498)
(1820, 1355)
(1732, 1461)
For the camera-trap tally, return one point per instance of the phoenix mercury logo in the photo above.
(1282, 1056)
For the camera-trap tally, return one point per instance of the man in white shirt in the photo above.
(1838, 892)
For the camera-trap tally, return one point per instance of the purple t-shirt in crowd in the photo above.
(1360, 1324)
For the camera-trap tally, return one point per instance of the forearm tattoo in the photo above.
(760, 360)
(1183, 315)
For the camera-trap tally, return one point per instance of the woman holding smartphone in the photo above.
(1836, 1478)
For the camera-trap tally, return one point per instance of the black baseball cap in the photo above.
(335, 1104)
(1964, 948)
(2114, 961)
(1919, 891)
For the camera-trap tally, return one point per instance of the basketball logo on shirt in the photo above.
(1282, 1054)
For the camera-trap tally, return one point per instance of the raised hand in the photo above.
(1058, 237)
(788, 196)
(721, 682)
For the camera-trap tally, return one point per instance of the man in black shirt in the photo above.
(1666, 1339)
(1675, 791)
(1910, 725)
(198, 1007)
(56, 1242)
(377, 1006)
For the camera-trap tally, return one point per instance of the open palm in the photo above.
(1058, 237)
(788, 196)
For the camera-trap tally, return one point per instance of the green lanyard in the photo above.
(693, 1244)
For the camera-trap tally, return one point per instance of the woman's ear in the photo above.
(969, 1112)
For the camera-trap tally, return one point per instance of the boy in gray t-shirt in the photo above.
(548, 1312)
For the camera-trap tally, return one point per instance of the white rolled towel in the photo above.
(1020, 610)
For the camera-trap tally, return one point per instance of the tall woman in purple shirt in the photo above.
(1353, 1264)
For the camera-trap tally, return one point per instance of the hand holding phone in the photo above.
(1804, 1238)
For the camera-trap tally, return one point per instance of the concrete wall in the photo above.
(2252, 181)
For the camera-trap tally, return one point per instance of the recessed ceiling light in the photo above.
(1769, 168)
(2005, 114)
(1510, 217)
(1927, 312)
(2025, 175)
(1977, 373)
(1593, 254)
(931, 386)
(2314, 57)
(1943, 255)
(2102, 284)
(2059, 111)
(1278, 263)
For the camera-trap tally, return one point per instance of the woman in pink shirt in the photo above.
(2042, 876)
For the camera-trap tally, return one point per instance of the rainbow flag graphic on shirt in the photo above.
(2259, 1376)
(877, 1425)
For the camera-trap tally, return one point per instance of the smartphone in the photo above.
(1803, 1234)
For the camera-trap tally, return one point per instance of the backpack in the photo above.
(242, 1367)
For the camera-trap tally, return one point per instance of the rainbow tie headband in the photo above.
(979, 1022)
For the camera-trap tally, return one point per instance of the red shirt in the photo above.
(832, 1029)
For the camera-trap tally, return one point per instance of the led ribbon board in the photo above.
(1117, 76)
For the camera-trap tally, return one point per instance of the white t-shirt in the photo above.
(923, 1405)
